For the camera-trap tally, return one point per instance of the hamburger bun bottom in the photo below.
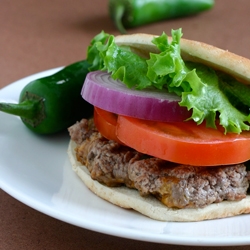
(151, 207)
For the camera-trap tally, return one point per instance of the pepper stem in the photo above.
(117, 11)
(31, 109)
(24, 109)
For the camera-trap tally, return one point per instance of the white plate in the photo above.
(36, 171)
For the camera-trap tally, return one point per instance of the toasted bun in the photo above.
(237, 66)
(150, 206)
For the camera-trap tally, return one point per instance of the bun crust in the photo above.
(235, 65)
(149, 206)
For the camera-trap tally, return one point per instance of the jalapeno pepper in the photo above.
(131, 13)
(53, 103)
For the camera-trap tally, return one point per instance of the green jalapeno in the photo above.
(53, 103)
(131, 13)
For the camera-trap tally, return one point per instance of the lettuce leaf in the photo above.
(198, 86)
(207, 100)
(93, 56)
(121, 62)
(167, 69)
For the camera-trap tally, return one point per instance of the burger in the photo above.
(170, 133)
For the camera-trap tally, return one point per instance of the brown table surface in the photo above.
(39, 35)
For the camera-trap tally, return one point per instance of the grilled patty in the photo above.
(175, 185)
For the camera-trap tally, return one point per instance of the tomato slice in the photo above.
(106, 122)
(184, 142)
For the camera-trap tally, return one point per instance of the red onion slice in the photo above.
(101, 90)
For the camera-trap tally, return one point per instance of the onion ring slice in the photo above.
(102, 91)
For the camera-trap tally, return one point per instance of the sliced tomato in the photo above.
(106, 122)
(184, 142)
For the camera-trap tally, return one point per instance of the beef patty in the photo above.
(175, 185)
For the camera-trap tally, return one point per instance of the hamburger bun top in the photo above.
(219, 59)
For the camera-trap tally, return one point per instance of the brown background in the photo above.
(38, 35)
